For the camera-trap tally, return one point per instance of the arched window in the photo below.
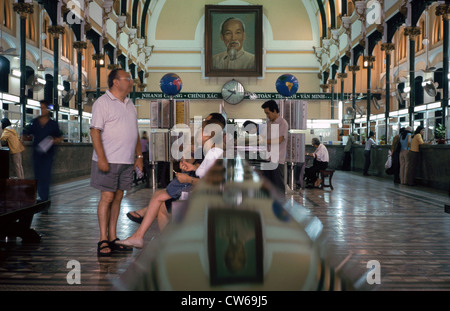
(4, 74)
(319, 16)
(83, 60)
(44, 41)
(350, 7)
(30, 28)
(438, 28)
(328, 14)
(419, 91)
(7, 16)
(338, 7)
(402, 45)
(121, 60)
(29, 75)
(116, 7)
(47, 42)
(64, 44)
(87, 60)
(419, 39)
(48, 88)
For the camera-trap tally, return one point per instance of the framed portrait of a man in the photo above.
(233, 41)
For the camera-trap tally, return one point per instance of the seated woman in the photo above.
(137, 216)
(321, 159)
(174, 189)
(157, 208)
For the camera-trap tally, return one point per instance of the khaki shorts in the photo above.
(119, 177)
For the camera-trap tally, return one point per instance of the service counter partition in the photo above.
(72, 160)
(433, 169)
(235, 232)
(4, 160)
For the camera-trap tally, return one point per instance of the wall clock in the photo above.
(233, 92)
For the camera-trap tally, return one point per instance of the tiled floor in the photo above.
(365, 218)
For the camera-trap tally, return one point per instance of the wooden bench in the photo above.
(17, 208)
(323, 175)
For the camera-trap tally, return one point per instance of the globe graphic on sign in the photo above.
(171, 84)
(287, 85)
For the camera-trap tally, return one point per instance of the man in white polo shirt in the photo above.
(117, 151)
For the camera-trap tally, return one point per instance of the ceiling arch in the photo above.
(296, 21)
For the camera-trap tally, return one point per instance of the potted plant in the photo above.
(383, 140)
(439, 134)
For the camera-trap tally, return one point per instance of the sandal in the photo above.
(100, 248)
(134, 218)
(117, 247)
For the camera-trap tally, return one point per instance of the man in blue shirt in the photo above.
(46, 134)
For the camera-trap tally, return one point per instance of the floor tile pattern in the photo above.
(365, 218)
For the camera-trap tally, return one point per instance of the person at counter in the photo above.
(321, 159)
(346, 166)
(156, 208)
(370, 142)
(45, 133)
(414, 153)
(405, 145)
(251, 127)
(9, 135)
(395, 153)
(276, 176)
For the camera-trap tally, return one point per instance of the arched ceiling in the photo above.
(293, 20)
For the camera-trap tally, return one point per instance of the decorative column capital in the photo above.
(324, 87)
(353, 69)
(412, 32)
(80, 45)
(387, 47)
(380, 28)
(113, 66)
(341, 75)
(403, 9)
(98, 56)
(87, 27)
(368, 61)
(443, 10)
(64, 8)
(360, 7)
(23, 9)
(141, 86)
(362, 42)
(347, 23)
(99, 60)
(332, 82)
(56, 30)
(348, 53)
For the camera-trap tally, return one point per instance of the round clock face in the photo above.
(233, 92)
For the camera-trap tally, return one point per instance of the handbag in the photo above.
(388, 163)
